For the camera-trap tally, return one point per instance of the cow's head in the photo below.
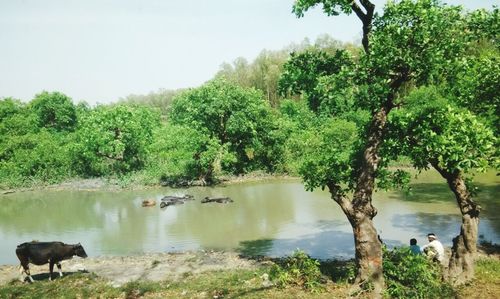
(79, 251)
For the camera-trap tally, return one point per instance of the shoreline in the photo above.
(111, 184)
(148, 266)
(159, 266)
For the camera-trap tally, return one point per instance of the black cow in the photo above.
(41, 253)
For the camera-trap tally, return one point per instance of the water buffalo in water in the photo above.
(174, 200)
(177, 198)
(217, 199)
(148, 203)
(41, 253)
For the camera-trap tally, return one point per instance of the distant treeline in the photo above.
(263, 73)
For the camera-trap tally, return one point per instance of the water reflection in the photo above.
(267, 218)
(323, 244)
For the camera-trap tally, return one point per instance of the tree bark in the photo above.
(360, 211)
(368, 248)
(464, 249)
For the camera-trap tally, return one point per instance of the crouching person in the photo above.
(434, 250)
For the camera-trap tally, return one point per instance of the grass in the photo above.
(217, 284)
(486, 283)
(222, 284)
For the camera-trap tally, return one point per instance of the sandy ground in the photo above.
(154, 267)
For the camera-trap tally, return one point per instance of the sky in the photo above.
(101, 50)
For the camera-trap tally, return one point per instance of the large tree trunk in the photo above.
(368, 255)
(464, 249)
(360, 210)
(368, 248)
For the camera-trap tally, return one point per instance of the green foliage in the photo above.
(330, 7)
(302, 70)
(114, 139)
(484, 26)
(29, 154)
(417, 39)
(432, 131)
(261, 74)
(295, 119)
(411, 44)
(298, 269)
(16, 118)
(180, 154)
(54, 110)
(328, 152)
(265, 71)
(297, 114)
(413, 276)
(397, 179)
(34, 158)
(9, 107)
(161, 99)
(238, 118)
(476, 87)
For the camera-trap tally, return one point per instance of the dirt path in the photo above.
(155, 267)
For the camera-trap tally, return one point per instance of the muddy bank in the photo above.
(154, 267)
(107, 184)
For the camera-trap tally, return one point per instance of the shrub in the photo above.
(298, 269)
(413, 276)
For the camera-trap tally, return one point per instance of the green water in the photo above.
(273, 217)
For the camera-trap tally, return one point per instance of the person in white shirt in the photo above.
(434, 249)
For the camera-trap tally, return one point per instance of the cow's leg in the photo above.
(59, 267)
(26, 269)
(51, 269)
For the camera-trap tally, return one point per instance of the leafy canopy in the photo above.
(114, 139)
(54, 110)
(430, 129)
(236, 117)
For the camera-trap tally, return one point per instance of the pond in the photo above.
(272, 217)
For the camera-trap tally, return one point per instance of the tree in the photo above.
(238, 118)
(29, 153)
(261, 74)
(9, 107)
(180, 154)
(41, 157)
(408, 45)
(303, 71)
(161, 99)
(474, 81)
(54, 110)
(453, 125)
(431, 131)
(114, 139)
(264, 71)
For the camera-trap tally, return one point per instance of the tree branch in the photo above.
(366, 18)
(339, 197)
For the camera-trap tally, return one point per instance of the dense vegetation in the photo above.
(234, 124)
(422, 87)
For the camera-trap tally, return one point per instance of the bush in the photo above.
(298, 269)
(113, 140)
(34, 158)
(413, 276)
